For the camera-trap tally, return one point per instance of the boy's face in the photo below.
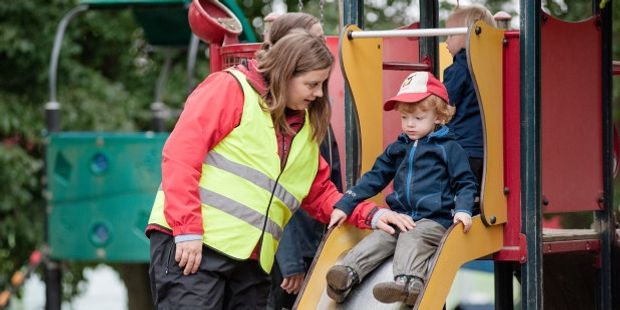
(417, 123)
(455, 43)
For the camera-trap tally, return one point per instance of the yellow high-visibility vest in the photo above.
(245, 196)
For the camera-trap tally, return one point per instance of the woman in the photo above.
(241, 160)
(302, 235)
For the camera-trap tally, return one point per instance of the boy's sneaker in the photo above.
(340, 281)
(404, 289)
(414, 288)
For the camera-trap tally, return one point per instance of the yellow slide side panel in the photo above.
(339, 240)
(456, 249)
(485, 57)
(362, 66)
(445, 59)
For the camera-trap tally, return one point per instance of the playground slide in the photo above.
(456, 249)
(362, 66)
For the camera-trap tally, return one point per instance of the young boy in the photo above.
(432, 182)
(467, 122)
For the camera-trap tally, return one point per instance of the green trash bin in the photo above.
(101, 189)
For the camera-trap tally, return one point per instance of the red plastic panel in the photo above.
(404, 50)
(571, 122)
(512, 149)
(336, 94)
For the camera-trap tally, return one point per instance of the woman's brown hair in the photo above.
(282, 25)
(296, 53)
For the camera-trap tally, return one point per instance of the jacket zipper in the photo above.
(284, 155)
(410, 171)
(172, 246)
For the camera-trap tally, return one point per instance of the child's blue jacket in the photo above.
(467, 122)
(432, 178)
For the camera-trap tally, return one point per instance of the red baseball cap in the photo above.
(416, 87)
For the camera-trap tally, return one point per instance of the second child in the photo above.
(467, 121)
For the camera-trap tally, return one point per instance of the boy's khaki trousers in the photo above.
(411, 249)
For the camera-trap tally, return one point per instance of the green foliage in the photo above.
(21, 206)
(106, 82)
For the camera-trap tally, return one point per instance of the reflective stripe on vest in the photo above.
(238, 184)
(260, 179)
(238, 210)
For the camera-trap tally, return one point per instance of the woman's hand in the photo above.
(189, 255)
(292, 284)
(463, 218)
(403, 221)
(338, 217)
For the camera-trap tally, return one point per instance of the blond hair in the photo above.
(443, 110)
(296, 53)
(466, 15)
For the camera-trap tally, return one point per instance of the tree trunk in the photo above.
(136, 279)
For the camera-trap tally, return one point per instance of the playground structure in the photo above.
(493, 57)
(527, 90)
(531, 167)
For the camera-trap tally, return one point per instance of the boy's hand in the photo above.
(338, 217)
(293, 283)
(403, 221)
(463, 218)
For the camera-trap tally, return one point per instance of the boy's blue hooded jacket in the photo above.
(432, 178)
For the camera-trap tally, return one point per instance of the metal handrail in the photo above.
(436, 32)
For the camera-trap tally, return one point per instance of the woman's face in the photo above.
(303, 89)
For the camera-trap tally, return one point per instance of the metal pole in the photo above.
(429, 18)
(192, 53)
(52, 107)
(158, 108)
(531, 271)
(60, 32)
(605, 218)
(340, 16)
(53, 275)
(503, 285)
(432, 32)
(353, 13)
